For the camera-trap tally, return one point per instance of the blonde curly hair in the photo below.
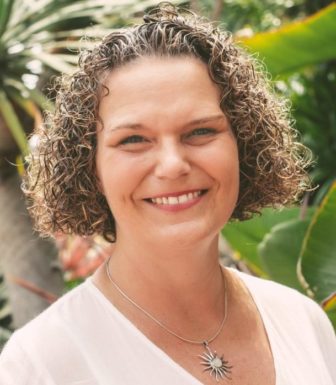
(61, 182)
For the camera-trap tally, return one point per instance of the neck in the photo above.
(182, 280)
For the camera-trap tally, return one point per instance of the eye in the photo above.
(133, 139)
(202, 132)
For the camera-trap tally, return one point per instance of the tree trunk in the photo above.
(25, 256)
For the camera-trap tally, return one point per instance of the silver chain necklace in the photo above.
(212, 362)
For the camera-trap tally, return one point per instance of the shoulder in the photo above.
(288, 306)
(31, 347)
(60, 313)
(295, 321)
(273, 294)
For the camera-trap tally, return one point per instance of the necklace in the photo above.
(212, 362)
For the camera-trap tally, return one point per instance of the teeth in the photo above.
(183, 198)
(173, 200)
(176, 200)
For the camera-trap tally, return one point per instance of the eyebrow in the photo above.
(139, 126)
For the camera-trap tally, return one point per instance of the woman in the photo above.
(165, 132)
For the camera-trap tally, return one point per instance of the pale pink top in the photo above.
(83, 339)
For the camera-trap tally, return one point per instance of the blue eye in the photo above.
(202, 131)
(133, 139)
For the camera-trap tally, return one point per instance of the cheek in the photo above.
(228, 177)
(223, 166)
(222, 160)
(119, 177)
(231, 174)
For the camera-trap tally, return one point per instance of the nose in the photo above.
(172, 161)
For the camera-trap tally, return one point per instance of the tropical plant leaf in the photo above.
(43, 15)
(8, 113)
(5, 12)
(41, 100)
(28, 105)
(244, 237)
(298, 44)
(5, 314)
(330, 302)
(332, 316)
(55, 61)
(317, 263)
(280, 250)
(16, 89)
(47, 35)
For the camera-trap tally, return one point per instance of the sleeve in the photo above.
(325, 334)
(17, 368)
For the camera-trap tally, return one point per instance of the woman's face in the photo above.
(167, 159)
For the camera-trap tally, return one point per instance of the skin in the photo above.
(163, 133)
(172, 157)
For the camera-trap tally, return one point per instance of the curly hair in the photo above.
(61, 180)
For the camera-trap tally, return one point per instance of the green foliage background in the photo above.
(297, 246)
(294, 38)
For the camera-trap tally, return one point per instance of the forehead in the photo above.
(152, 87)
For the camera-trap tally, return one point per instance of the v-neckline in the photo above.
(161, 353)
(139, 334)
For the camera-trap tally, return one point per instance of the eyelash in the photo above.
(133, 139)
(202, 131)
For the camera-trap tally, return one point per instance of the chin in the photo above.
(186, 234)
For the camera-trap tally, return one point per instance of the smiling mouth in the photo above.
(176, 200)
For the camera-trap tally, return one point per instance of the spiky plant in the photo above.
(38, 38)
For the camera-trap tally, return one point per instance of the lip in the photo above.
(178, 206)
(176, 194)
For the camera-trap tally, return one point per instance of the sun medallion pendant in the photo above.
(216, 365)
